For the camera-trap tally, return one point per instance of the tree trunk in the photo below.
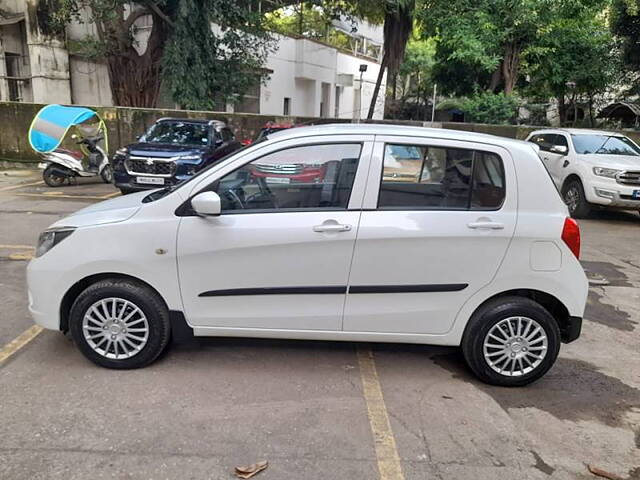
(496, 78)
(135, 79)
(591, 119)
(376, 90)
(562, 110)
(510, 65)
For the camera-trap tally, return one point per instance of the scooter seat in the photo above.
(74, 153)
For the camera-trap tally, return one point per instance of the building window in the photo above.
(250, 101)
(286, 107)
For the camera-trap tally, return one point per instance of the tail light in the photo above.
(571, 235)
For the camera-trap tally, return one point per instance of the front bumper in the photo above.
(612, 194)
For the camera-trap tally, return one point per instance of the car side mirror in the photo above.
(561, 149)
(206, 204)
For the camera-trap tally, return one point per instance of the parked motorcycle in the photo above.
(50, 128)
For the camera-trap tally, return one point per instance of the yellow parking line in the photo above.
(13, 187)
(17, 247)
(76, 197)
(110, 195)
(16, 344)
(389, 466)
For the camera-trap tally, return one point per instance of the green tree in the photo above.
(412, 88)
(481, 42)
(625, 24)
(574, 58)
(489, 107)
(182, 48)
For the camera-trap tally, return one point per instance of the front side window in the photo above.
(306, 177)
(604, 145)
(545, 141)
(180, 133)
(439, 178)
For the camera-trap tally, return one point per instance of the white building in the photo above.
(307, 78)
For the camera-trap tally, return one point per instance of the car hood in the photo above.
(620, 162)
(115, 210)
(163, 150)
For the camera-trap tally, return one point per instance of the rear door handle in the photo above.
(331, 227)
(486, 225)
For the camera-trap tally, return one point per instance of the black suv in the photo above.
(171, 151)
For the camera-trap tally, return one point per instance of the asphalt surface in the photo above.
(311, 408)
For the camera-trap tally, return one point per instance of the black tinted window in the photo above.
(307, 177)
(440, 178)
(488, 182)
(227, 136)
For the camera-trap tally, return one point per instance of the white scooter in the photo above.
(62, 165)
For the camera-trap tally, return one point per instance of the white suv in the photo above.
(591, 167)
(401, 234)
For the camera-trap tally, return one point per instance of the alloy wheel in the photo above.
(515, 346)
(115, 328)
(572, 198)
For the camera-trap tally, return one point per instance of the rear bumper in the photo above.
(571, 331)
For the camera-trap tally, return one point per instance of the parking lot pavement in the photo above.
(316, 409)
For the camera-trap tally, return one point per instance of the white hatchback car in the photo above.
(339, 232)
(591, 168)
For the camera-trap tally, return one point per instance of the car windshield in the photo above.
(178, 133)
(157, 194)
(604, 145)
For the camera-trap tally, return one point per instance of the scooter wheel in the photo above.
(52, 178)
(107, 174)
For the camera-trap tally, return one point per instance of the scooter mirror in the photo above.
(74, 136)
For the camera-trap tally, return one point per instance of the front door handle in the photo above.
(331, 227)
(486, 225)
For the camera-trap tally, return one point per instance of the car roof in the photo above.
(576, 131)
(217, 123)
(390, 129)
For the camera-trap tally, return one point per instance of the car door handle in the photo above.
(486, 225)
(331, 227)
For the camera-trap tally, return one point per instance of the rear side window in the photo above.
(437, 178)
(548, 140)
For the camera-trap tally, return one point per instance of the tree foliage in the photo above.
(625, 24)
(205, 65)
(481, 43)
(196, 61)
(489, 107)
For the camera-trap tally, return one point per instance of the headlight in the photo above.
(122, 151)
(606, 172)
(50, 238)
(189, 157)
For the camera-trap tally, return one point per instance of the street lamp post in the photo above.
(363, 68)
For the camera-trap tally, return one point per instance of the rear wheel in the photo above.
(120, 324)
(573, 195)
(52, 178)
(511, 341)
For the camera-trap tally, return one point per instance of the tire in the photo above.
(498, 314)
(126, 191)
(51, 178)
(107, 174)
(573, 196)
(104, 341)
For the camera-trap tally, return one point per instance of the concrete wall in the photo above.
(125, 124)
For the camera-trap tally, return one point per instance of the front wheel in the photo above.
(573, 195)
(52, 176)
(120, 324)
(107, 174)
(511, 342)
